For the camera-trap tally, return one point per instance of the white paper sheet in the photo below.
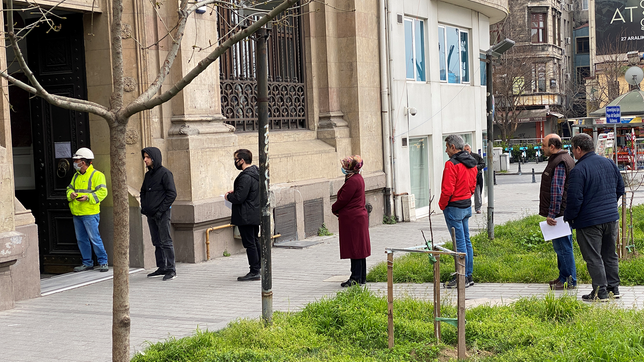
(227, 203)
(63, 149)
(552, 232)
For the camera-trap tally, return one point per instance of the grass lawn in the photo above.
(518, 254)
(353, 327)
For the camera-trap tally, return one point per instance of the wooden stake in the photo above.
(460, 272)
(437, 300)
(622, 249)
(390, 298)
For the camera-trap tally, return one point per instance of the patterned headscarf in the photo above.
(352, 164)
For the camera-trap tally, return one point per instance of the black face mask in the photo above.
(237, 165)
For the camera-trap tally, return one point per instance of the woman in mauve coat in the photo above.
(354, 221)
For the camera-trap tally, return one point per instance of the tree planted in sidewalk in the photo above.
(118, 111)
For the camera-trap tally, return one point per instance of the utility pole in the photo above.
(490, 145)
(264, 179)
(493, 53)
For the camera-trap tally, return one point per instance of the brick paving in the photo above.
(75, 325)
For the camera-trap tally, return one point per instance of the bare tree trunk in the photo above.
(117, 116)
(120, 296)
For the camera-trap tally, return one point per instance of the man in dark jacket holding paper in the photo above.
(594, 189)
(246, 210)
(552, 203)
(157, 195)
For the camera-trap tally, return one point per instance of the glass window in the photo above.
(419, 171)
(582, 73)
(409, 48)
(541, 77)
(584, 4)
(465, 60)
(415, 49)
(441, 52)
(554, 28)
(558, 30)
(538, 28)
(419, 44)
(483, 69)
(583, 45)
(454, 54)
(453, 62)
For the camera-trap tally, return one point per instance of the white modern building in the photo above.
(433, 85)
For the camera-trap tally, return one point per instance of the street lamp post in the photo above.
(490, 157)
(493, 53)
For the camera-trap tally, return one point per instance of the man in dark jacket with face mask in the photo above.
(157, 195)
(246, 211)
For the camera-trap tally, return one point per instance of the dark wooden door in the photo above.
(58, 60)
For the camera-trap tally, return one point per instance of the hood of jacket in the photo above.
(463, 157)
(155, 155)
(251, 171)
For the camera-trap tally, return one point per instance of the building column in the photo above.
(197, 108)
(332, 125)
(200, 149)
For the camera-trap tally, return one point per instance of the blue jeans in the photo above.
(88, 238)
(565, 259)
(458, 219)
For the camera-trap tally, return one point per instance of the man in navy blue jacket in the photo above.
(594, 189)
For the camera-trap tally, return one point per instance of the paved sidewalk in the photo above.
(75, 325)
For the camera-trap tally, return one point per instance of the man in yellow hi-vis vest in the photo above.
(85, 193)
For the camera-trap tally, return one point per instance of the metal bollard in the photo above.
(519, 167)
(494, 177)
(533, 179)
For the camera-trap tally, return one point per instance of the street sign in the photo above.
(613, 114)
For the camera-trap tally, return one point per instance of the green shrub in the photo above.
(323, 231)
(389, 219)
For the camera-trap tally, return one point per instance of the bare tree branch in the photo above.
(116, 99)
(74, 104)
(608, 70)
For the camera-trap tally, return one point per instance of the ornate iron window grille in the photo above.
(286, 88)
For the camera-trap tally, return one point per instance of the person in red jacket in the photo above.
(354, 221)
(457, 188)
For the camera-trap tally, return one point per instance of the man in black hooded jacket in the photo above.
(157, 195)
(246, 212)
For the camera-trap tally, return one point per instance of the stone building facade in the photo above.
(542, 31)
(325, 104)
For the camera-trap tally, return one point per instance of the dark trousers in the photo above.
(359, 270)
(597, 246)
(478, 199)
(250, 241)
(163, 248)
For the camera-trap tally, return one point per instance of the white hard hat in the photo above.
(83, 152)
